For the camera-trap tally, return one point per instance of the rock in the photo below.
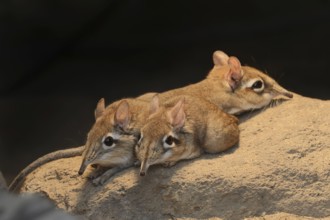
(282, 164)
(284, 216)
(30, 207)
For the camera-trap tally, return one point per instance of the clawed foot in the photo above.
(96, 173)
(169, 164)
(99, 181)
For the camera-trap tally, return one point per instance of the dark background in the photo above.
(58, 57)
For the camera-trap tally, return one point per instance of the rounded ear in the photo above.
(100, 107)
(122, 116)
(220, 58)
(176, 114)
(234, 75)
(234, 64)
(154, 104)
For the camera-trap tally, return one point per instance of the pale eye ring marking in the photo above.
(256, 85)
(109, 140)
(169, 141)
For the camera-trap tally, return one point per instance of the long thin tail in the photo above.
(66, 153)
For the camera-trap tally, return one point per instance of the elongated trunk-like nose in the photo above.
(87, 154)
(144, 167)
(82, 168)
(281, 91)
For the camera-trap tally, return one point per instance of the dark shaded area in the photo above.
(3, 183)
(29, 207)
(57, 58)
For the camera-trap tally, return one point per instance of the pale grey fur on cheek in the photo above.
(165, 156)
(115, 160)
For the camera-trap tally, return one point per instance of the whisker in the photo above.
(265, 107)
(250, 113)
(275, 102)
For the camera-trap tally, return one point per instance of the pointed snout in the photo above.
(144, 168)
(281, 91)
(88, 157)
(82, 168)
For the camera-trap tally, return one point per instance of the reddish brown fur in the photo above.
(218, 87)
(124, 119)
(205, 128)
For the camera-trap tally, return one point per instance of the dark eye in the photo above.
(108, 141)
(94, 166)
(257, 84)
(169, 140)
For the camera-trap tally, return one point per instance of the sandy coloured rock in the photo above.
(282, 164)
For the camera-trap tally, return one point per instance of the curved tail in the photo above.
(66, 153)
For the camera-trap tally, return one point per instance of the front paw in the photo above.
(95, 174)
(99, 181)
(169, 164)
(106, 176)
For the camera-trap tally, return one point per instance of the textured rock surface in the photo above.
(282, 164)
